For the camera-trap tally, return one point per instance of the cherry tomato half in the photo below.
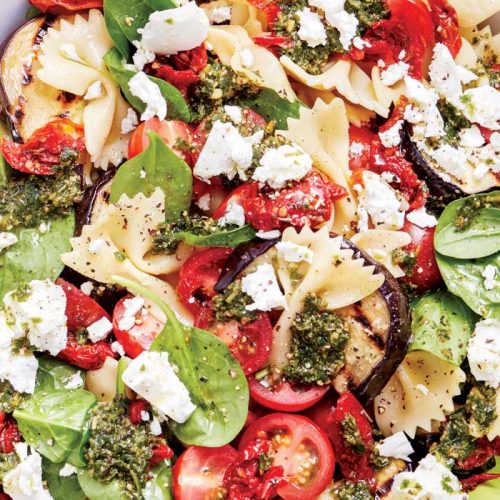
(282, 396)
(65, 6)
(445, 20)
(301, 448)
(140, 337)
(199, 472)
(360, 140)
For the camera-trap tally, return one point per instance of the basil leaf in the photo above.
(442, 325)
(158, 487)
(54, 374)
(55, 423)
(124, 17)
(480, 238)
(222, 238)
(214, 379)
(177, 106)
(95, 490)
(269, 104)
(36, 255)
(61, 488)
(163, 169)
(464, 278)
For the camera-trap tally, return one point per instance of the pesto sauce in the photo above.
(352, 436)
(481, 406)
(118, 449)
(26, 201)
(471, 207)
(8, 461)
(231, 305)
(454, 121)
(10, 399)
(351, 491)
(319, 338)
(377, 460)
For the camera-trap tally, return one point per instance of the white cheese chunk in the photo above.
(100, 329)
(25, 480)
(465, 75)
(155, 427)
(280, 165)
(482, 105)
(483, 352)
(489, 274)
(132, 307)
(174, 30)
(395, 446)
(130, 122)
(421, 218)
(68, 470)
(235, 215)
(117, 348)
(430, 480)
(219, 15)
(359, 43)
(391, 137)
(263, 288)
(149, 93)
(312, 31)
(268, 235)
(87, 287)
(235, 113)
(451, 160)
(7, 240)
(444, 74)
(94, 91)
(292, 252)
(204, 202)
(394, 73)
(142, 56)
(170, 396)
(471, 137)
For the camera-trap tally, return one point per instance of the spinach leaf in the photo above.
(481, 235)
(61, 488)
(222, 238)
(36, 255)
(163, 169)
(159, 486)
(124, 17)
(269, 104)
(442, 325)
(5, 169)
(95, 490)
(177, 106)
(54, 374)
(214, 379)
(55, 423)
(464, 278)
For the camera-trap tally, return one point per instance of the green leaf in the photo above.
(95, 490)
(55, 423)
(5, 169)
(214, 379)
(442, 325)
(464, 278)
(32, 12)
(54, 374)
(61, 488)
(269, 104)
(163, 169)
(480, 238)
(159, 486)
(177, 106)
(230, 238)
(36, 255)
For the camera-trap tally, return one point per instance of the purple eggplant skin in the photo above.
(240, 259)
(398, 336)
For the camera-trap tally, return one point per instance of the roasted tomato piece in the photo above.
(283, 396)
(9, 433)
(300, 447)
(445, 20)
(199, 472)
(471, 483)
(360, 147)
(42, 152)
(138, 337)
(89, 356)
(271, 9)
(65, 6)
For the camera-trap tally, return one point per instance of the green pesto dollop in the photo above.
(350, 491)
(10, 399)
(231, 304)
(472, 206)
(350, 432)
(454, 121)
(481, 407)
(117, 449)
(319, 337)
(28, 200)
(8, 461)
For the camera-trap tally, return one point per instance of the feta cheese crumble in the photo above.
(394, 73)
(130, 122)
(489, 274)
(431, 479)
(421, 218)
(235, 113)
(7, 240)
(391, 137)
(220, 14)
(281, 165)
(292, 252)
(268, 235)
(68, 470)
(74, 381)
(171, 396)
(174, 30)
(87, 287)
(395, 446)
(482, 105)
(132, 307)
(312, 31)
(235, 215)
(263, 288)
(117, 348)
(444, 75)
(149, 93)
(100, 329)
(483, 352)
(155, 427)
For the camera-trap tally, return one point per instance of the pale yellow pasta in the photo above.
(357, 115)
(323, 132)
(467, 56)
(246, 15)
(71, 59)
(345, 77)
(420, 392)
(380, 245)
(473, 12)
(102, 382)
(334, 275)
(386, 95)
(232, 45)
(117, 244)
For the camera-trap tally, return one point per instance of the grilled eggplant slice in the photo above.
(379, 333)
(30, 103)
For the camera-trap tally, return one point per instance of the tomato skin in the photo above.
(135, 408)
(9, 433)
(425, 273)
(301, 431)
(42, 151)
(65, 6)
(471, 483)
(198, 276)
(283, 397)
(484, 451)
(140, 337)
(89, 356)
(445, 20)
(271, 9)
(199, 471)
(360, 151)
